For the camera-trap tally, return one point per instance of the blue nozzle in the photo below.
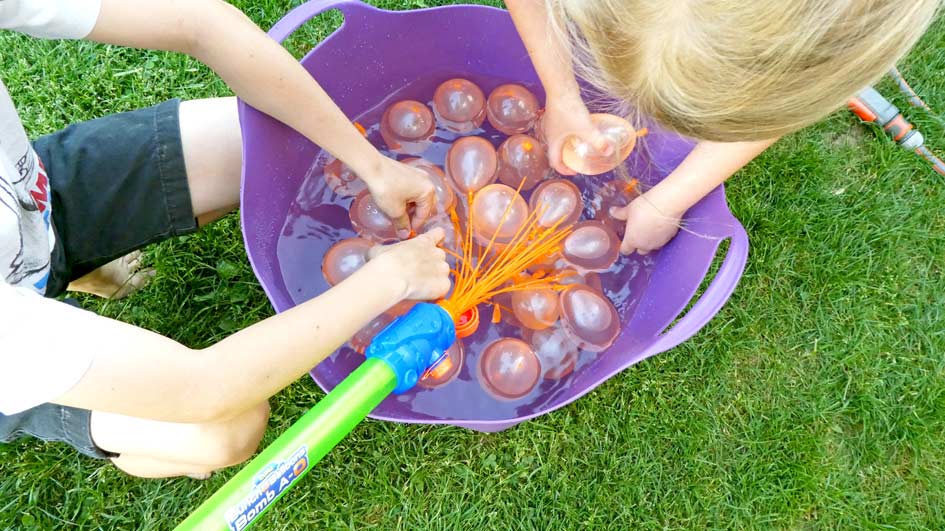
(414, 342)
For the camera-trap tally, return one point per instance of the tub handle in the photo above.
(713, 298)
(294, 19)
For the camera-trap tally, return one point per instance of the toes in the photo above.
(137, 281)
(132, 261)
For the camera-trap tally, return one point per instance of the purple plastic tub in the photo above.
(376, 53)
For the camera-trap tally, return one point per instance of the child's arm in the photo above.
(267, 77)
(565, 112)
(142, 374)
(653, 219)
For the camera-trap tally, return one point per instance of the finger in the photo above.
(627, 246)
(425, 206)
(435, 234)
(621, 213)
(554, 159)
(643, 252)
(402, 225)
(378, 250)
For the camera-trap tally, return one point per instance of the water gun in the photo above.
(872, 107)
(396, 359)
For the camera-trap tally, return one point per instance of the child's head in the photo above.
(731, 70)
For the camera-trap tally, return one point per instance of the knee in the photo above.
(237, 439)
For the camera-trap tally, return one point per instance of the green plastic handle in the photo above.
(265, 479)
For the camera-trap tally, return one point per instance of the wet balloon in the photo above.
(557, 199)
(556, 351)
(522, 162)
(498, 212)
(509, 369)
(512, 109)
(589, 318)
(460, 105)
(536, 308)
(344, 258)
(471, 163)
(591, 246)
(447, 370)
(341, 180)
(407, 127)
(619, 139)
(368, 220)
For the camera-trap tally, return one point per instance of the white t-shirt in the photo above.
(33, 369)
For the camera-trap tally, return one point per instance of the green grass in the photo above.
(814, 400)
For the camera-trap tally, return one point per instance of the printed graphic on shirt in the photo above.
(25, 204)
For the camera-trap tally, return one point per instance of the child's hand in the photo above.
(394, 187)
(567, 116)
(650, 224)
(418, 263)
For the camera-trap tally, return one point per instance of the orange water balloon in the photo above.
(512, 109)
(557, 199)
(459, 105)
(556, 351)
(591, 246)
(619, 139)
(589, 318)
(369, 221)
(522, 161)
(616, 193)
(344, 258)
(447, 370)
(407, 126)
(445, 197)
(341, 180)
(471, 163)
(509, 369)
(498, 213)
(536, 309)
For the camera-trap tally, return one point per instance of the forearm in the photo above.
(256, 68)
(548, 54)
(704, 169)
(142, 374)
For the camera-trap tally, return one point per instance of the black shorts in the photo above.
(118, 183)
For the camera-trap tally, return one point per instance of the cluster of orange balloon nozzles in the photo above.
(533, 261)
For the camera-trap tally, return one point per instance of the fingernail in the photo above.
(403, 233)
(613, 212)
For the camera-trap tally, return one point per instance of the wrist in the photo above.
(369, 166)
(392, 288)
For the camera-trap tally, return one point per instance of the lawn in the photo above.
(814, 400)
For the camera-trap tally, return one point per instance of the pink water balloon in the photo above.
(368, 220)
(619, 138)
(615, 194)
(512, 109)
(522, 161)
(571, 277)
(556, 351)
(557, 199)
(341, 180)
(445, 197)
(459, 105)
(447, 370)
(509, 369)
(344, 258)
(471, 163)
(589, 318)
(407, 126)
(498, 212)
(536, 309)
(591, 246)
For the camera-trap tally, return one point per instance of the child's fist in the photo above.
(397, 186)
(418, 263)
(649, 224)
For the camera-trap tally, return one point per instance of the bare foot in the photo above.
(117, 279)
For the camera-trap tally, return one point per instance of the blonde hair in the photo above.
(734, 70)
